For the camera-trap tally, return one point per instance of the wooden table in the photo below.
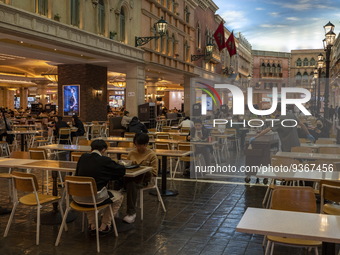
(311, 226)
(308, 156)
(318, 145)
(23, 134)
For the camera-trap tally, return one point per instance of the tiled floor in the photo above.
(200, 220)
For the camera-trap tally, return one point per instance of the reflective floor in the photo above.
(200, 220)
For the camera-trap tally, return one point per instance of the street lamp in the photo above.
(208, 50)
(249, 79)
(161, 27)
(328, 43)
(316, 72)
(320, 66)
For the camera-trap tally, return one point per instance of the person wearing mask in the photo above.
(76, 122)
(103, 169)
(126, 119)
(288, 135)
(136, 126)
(143, 156)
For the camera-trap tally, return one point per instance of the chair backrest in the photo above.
(179, 137)
(80, 186)
(64, 131)
(20, 154)
(329, 150)
(304, 140)
(125, 144)
(25, 182)
(75, 155)
(299, 199)
(330, 190)
(84, 142)
(37, 153)
(129, 134)
(162, 146)
(303, 149)
(321, 141)
(152, 130)
(185, 129)
(163, 136)
(184, 147)
(95, 129)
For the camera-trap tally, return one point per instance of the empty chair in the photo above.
(166, 129)
(324, 141)
(298, 199)
(25, 182)
(64, 136)
(329, 150)
(330, 192)
(129, 134)
(163, 136)
(84, 187)
(151, 185)
(96, 131)
(4, 148)
(179, 137)
(84, 142)
(125, 144)
(75, 155)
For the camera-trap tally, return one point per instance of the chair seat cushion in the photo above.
(331, 209)
(43, 198)
(293, 241)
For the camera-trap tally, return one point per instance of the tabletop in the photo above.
(314, 145)
(21, 132)
(312, 156)
(311, 226)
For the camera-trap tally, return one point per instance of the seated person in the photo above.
(126, 119)
(144, 156)
(78, 124)
(136, 126)
(186, 123)
(59, 123)
(200, 134)
(102, 169)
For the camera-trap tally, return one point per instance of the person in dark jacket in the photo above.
(59, 123)
(136, 126)
(78, 124)
(102, 169)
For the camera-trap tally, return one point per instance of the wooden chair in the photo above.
(96, 131)
(321, 141)
(166, 129)
(84, 142)
(303, 149)
(83, 187)
(125, 144)
(329, 150)
(191, 158)
(129, 134)
(298, 199)
(330, 192)
(25, 182)
(75, 155)
(185, 130)
(163, 136)
(4, 148)
(64, 135)
(152, 185)
(179, 137)
(164, 146)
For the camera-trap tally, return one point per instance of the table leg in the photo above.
(164, 191)
(328, 248)
(22, 142)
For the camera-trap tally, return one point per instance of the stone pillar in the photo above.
(23, 97)
(91, 80)
(152, 90)
(189, 95)
(135, 92)
(41, 91)
(8, 98)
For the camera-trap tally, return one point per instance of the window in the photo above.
(74, 12)
(198, 39)
(186, 14)
(279, 69)
(305, 77)
(174, 43)
(298, 62)
(273, 68)
(42, 7)
(101, 17)
(122, 25)
(168, 43)
(305, 62)
(268, 68)
(186, 51)
(263, 68)
(312, 62)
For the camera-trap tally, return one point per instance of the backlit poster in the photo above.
(71, 103)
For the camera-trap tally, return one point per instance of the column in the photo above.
(189, 95)
(88, 84)
(23, 97)
(41, 92)
(151, 90)
(135, 91)
(8, 98)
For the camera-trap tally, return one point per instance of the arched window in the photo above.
(312, 62)
(268, 68)
(198, 39)
(186, 51)
(174, 50)
(305, 77)
(279, 69)
(42, 7)
(122, 25)
(298, 62)
(101, 17)
(74, 12)
(323, 75)
(298, 78)
(273, 68)
(263, 68)
(187, 14)
(305, 62)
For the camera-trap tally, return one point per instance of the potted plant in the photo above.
(57, 17)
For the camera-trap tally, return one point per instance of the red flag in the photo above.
(230, 44)
(219, 36)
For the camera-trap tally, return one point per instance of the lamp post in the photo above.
(320, 66)
(328, 43)
(161, 27)
(249, 79)
(315, 93)
(208, 49)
